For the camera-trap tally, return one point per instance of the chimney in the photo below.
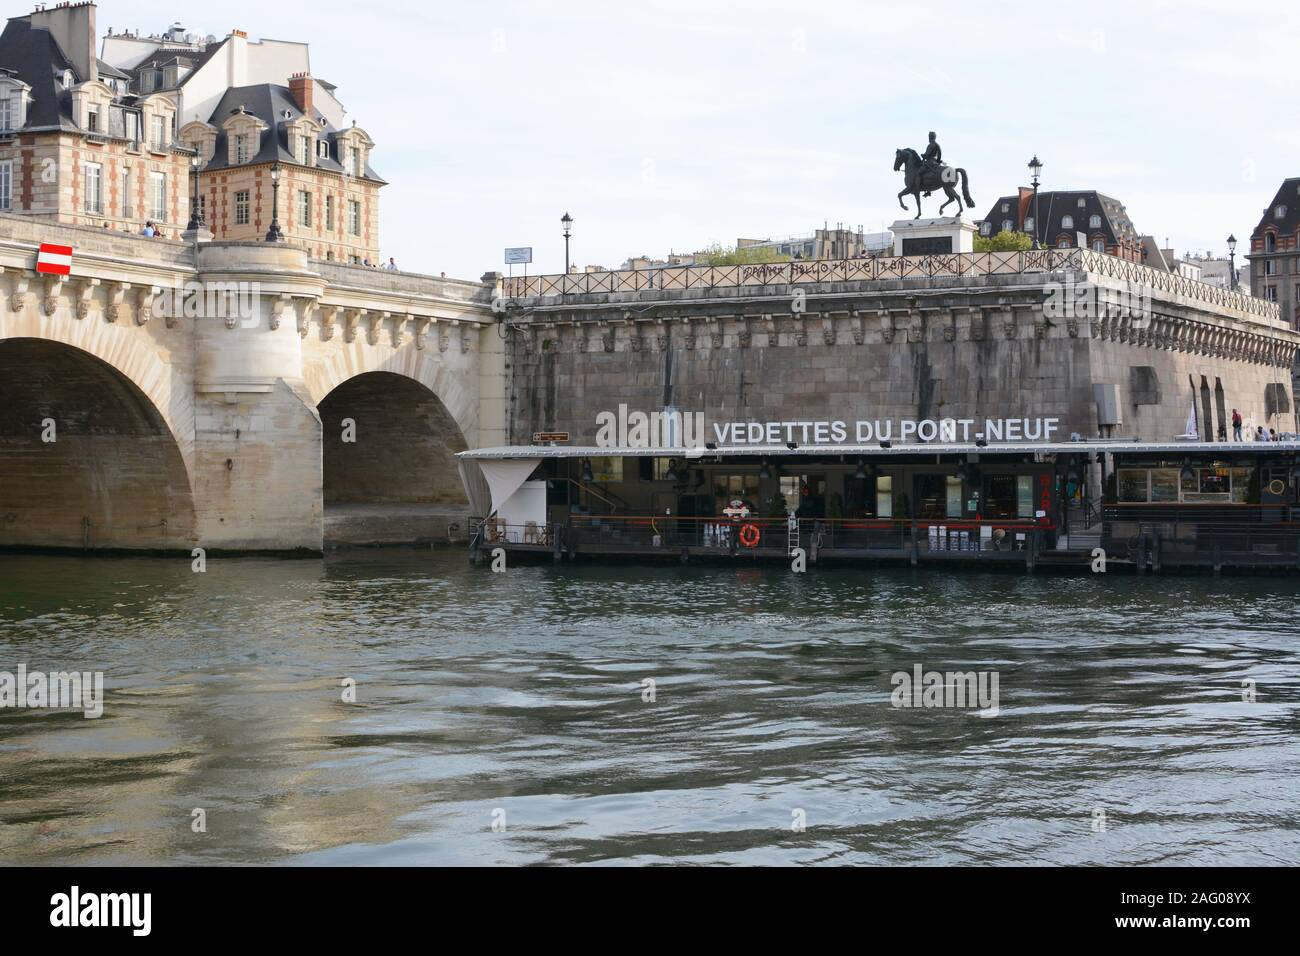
(73, 26)
(300, 87)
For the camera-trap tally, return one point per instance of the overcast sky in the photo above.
(673, 126)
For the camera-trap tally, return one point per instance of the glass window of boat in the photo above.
(728, 487)
(884, 496)
(1164, 484)
(606, 469)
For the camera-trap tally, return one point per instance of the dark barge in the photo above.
(1141, 506)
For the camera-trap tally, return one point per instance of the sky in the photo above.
(667, 127)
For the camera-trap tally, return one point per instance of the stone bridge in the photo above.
(233, 396)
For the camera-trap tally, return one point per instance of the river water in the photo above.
(505, 718)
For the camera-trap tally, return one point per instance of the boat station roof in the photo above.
(874, 450)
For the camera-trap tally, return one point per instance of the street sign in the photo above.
(542, 437)
(519, 255)
(54, 259)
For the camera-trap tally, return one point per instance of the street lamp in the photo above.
(196, 214)
(1035, 169)
(1232, 262)
(274, 234)
(567, 222)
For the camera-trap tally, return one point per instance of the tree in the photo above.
(746, 256)
(1004, 241)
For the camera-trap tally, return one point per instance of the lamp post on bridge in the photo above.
(274, 234)
(1232, 262)
(567, 222)
(1035, 168)
(196, 213)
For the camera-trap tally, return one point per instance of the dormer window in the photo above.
(13, 103)
(1006, 207)
(92, 121)
(1029, 224)
(241, 148)
(1067, 222)
(1006, 225)
(1094, 222)
(985, 228)
(68, 79)
(322, 149)
(1279, 212)
(1083, 203)
(304, 150)
(1270, 242)
(358, 165)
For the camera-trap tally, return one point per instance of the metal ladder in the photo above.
(791, 535)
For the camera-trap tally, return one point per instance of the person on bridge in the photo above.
(1236, 425)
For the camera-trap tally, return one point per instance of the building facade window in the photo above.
(1279, 212)
(304, 150)
(1029, 224)
(1270, 293)
(358, 167)
(7, 113)
(354, 217)
(304, 208)
(1270, 267)
(241, 148)
(1006, 225)
(1063, 243)
(1067, 222)
(158, 131)
(329, 213)
(92, 121)
(158, 197)
(1099, 245)
(6, 184)
(93, 188)
(241, 208)
(985, 228)
(1094, 222)
(125, 185)
(1270, 242)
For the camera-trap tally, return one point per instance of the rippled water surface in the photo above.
(517, 699)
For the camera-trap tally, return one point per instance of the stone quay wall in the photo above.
(975, 336)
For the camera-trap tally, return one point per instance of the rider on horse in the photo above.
(933, 158)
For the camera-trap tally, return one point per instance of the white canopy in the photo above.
(504, 477)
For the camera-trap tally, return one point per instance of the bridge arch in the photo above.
(458, 396)
(88, 457)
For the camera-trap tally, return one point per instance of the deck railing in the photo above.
(879, 268)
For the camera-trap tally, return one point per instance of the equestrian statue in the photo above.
(928, 172)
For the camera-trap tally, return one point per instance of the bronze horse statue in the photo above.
(918, 176)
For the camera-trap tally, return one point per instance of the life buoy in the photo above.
(749, 535)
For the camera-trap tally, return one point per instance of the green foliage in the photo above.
(747, 256)
(777, 507)
(1004, 242)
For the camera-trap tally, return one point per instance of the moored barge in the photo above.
(1142, 506)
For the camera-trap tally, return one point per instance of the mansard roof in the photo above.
(275, 106)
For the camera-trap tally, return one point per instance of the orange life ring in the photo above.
(749, 535)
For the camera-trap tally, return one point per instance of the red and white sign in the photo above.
(54, 259)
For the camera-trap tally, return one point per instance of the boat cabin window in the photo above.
(1010, 496)
(605, 470)
(938, 496)
(729, 487)
(1205, 484)
(885, 496)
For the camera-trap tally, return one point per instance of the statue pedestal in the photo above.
(932, 237)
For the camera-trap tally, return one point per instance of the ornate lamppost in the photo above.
(274, 234)
(1232, 262)
(196, 214)
(1035, 169)
(567, 222)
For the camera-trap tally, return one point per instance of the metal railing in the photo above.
(1209, 534)
(883, 267)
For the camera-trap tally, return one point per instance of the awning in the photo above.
(504, 476)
